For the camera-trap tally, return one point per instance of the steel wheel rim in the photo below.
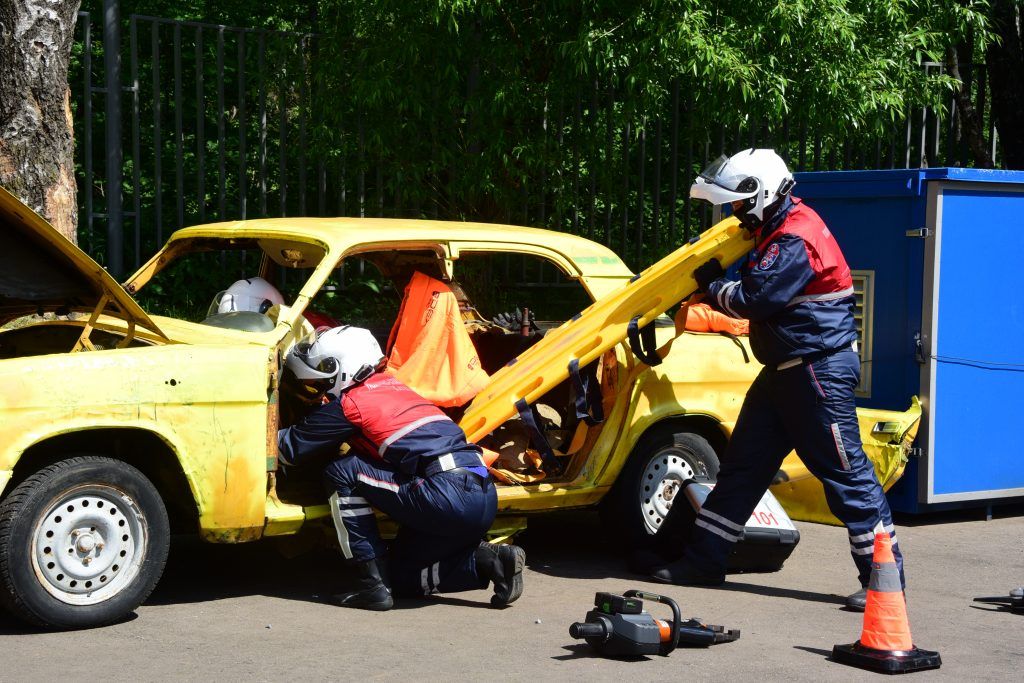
(661, 483)
(89, 544)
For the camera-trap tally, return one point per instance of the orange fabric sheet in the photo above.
(429, 348)
(702, 318)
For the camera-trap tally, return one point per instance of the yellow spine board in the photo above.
(600, 327)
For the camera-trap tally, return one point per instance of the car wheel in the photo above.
(83, 542)
(652, 480)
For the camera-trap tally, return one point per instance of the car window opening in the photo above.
(368, 290)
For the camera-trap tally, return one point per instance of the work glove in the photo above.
(707, 273)
(513, 321)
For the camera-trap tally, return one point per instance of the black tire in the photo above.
(628, 507)
(120, 527)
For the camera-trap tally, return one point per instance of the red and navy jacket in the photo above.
(382, 418)
(795, 289)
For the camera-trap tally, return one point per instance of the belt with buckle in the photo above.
(814, 357)
(445, 463)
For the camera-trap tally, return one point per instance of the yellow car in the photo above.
(119, 427)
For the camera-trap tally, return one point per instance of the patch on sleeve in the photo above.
(771, 255)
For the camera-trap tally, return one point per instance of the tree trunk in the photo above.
(1005, 61)
(971, 125)
(36, 127)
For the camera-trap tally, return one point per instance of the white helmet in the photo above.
(252, 294)
(758, 176)
(339, 358)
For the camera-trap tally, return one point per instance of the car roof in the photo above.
(340, 234)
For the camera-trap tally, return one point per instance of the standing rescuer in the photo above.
(797, 292)
(407, 459)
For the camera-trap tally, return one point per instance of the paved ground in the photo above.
(243, 613)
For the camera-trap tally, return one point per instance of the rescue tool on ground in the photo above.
(1014, 602)
(620, 627)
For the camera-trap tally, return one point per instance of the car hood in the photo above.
(41, 271)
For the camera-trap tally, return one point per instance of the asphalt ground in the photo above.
(232, 613)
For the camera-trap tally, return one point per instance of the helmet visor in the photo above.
(227, 302)
(319, 372)
(718, 173)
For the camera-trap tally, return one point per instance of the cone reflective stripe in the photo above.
(885, 644)
(885, 615)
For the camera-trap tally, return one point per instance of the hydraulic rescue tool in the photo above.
(1013, 603)
(620, 627)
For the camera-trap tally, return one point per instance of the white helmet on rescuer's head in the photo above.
(757, 177)
(339, 358)
(251, 294)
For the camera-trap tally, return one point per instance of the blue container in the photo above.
(940, 305)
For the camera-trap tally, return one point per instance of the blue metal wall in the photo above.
(869, 212)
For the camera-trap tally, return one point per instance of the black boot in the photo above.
(682, 573)
(501, 565)
(858, 601)
(373, 593)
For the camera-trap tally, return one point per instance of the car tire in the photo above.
(662, 460)
(83, 542)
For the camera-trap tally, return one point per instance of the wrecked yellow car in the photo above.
(120, 426)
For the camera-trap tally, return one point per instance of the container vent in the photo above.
(864, 315)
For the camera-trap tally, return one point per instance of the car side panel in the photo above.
(209, 404)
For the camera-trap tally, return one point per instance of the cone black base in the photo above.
(886, 661)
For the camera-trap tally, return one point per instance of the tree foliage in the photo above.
(466, 93)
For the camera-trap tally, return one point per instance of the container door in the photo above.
(973, 322)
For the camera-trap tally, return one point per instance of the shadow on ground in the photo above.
(569, 545)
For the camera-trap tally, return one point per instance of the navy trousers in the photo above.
(809, 407)
(443, 518)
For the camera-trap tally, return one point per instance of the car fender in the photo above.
(209, 404)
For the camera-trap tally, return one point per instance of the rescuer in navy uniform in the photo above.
(797, 292)
(408, 460)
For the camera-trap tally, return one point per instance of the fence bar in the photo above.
(656, 189)
(179, 174)
(379, 179)
(924, 141)
(303, 99)
(609, 156)
(200, 129)
(592, 153)
(640, 196)
(626, 130)
(262, 49)
(282, 141)
(158, 141)
(361, 181)
(577, 116)
(559, 190)
(136, 155)
(115, 158)
(243, 187)
(688, 170)
(321, 187)
(222, 176)
(802, 163)
(674, 155)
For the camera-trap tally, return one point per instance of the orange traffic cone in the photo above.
(885, 644)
